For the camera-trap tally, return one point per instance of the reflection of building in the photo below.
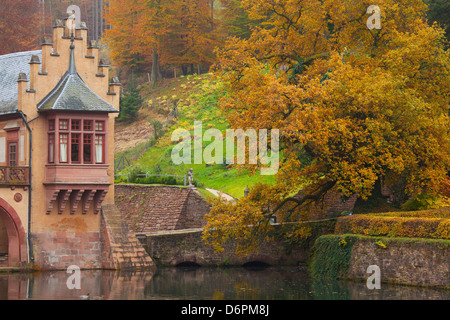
(57, 113)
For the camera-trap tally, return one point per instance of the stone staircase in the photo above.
(121, 249)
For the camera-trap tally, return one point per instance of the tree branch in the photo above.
(314, 196)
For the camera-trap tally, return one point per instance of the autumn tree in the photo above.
(91, 13)
(193, 38)
(439, 11)
(352, 104)
(234, 19)
(19, 25)
(171, 32)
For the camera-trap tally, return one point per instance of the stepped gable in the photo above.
(149, 208)
(73, 94)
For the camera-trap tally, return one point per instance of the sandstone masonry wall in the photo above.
(408, 261)
(148, 208)
(174, 247)
(59, 250)
(405, 261)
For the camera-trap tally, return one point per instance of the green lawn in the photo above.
(201, 104)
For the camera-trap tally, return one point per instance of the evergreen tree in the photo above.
(130, 103)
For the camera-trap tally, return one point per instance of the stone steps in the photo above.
(125, 250)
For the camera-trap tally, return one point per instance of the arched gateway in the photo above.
(17, 251)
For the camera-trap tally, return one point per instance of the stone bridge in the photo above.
(168, 221)
(186, 247)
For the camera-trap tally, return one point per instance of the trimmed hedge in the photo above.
(431, 213)
(401, 224)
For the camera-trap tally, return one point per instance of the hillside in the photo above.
(197, 97)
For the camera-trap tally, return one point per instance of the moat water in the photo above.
(202, 284)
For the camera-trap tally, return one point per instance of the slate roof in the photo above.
(11, 65)
(72, 94)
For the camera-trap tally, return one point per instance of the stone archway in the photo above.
(17, 251)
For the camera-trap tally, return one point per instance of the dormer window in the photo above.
(76, 141)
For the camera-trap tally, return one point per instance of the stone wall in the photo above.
(195, 210)
(405, 261)
(409, 261)
(120, 247)
(3, 238)
(114, 246)
(171, 248)
(59, 250)
(149, 208)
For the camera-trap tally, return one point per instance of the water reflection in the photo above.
(201, 283)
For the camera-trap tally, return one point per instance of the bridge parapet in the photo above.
(172, 248)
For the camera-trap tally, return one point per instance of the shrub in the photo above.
(423, 202)
(432, 213)
(157, 128)
(331, 257)
(375, 225)
(159, 180)
(133, 174)
(130, 102)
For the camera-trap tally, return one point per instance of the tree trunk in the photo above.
(156, 72)
(184, 69)
(212, 14)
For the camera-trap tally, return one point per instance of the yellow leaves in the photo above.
(352, 105)
(381, 244)
(239, 222)
(180, 31)
(394, 226)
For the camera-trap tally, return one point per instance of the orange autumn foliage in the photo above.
(352, 105)
(19, 26)
(180, 32)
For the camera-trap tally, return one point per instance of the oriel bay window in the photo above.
(78, 141)
(75, 148)
(87, 148)
(51, 147)
(63, 147)
(99, 148)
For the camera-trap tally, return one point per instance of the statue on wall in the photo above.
(190, 175)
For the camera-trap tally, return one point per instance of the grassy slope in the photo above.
(198, 102)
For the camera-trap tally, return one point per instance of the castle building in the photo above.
(57, 111)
